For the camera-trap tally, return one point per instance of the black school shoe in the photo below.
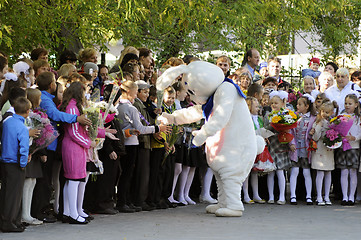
(136, 208)
(75, 221)
(12, 228)
(350, 203)
(344, 203)
(146, 207)
(125, 209)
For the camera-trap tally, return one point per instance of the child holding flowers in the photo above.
(33, 170)
(278, 151)
(323, 157)
(300, 156)
(348, 160)
(75, 144)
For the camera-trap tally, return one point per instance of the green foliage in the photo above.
(172, 27)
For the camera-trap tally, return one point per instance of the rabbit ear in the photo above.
(168, 77)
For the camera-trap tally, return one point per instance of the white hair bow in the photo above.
(21, 67)
(280, 94)
(8, 77)
(309, 97)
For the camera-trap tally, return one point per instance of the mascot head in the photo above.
(200, 78)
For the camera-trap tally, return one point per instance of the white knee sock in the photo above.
(270, 185)
(246, 197)
(254, 184)
(319, 181)
(177, 171)
(56, 184)
(188, 185)
(293, 181)
(79, 205)
(344, 183)
(182, 183)
(207, 181)
(66, 210)
(308, 181)
(328, 181)
(73, 189)
(281, 184)
(353, 184)
(81, 192)
(29, 185)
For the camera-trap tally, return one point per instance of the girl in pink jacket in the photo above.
(74, 152)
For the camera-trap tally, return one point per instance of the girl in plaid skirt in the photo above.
(348, 161)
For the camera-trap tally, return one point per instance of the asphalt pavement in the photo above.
(259, 221)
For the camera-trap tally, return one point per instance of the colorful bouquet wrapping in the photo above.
(39, 120)
(171, 138)
(283, 121)
(338, 129)
(103, 108)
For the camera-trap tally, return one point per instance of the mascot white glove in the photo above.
(199, 137)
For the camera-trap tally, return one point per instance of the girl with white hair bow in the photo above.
(278, 151)
(300, 156)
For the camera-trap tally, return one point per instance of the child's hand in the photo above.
(350, 138)
(111, 136)
(93, 144)
(165, 129)
(43, 158)
(113, 156)
(293, 147)
(83, 120)
(312, 131)
(34, 132)
(29, 159)
(110, 130)
(134, 132)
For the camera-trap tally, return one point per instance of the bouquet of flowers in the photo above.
(338, 129)
(93, 114)
(112, 112)
(293, 98)
(39, 120)
(171, 139)
(283, 121)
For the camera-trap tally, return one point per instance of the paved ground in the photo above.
(191, 222)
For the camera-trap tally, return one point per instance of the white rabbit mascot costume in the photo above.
(231, 142)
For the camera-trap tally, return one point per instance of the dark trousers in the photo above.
(127, 163)
(165, 178)
(99, 191)
(156, 158)
(140, 181)
(11, 193)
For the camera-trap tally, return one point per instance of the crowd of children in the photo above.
(139, 168)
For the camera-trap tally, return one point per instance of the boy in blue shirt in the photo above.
(14, 158)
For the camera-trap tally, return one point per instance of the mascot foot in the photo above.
(226, 212)
(212, 208)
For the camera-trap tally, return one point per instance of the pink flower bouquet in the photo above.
(338, 129)
(39, 120)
